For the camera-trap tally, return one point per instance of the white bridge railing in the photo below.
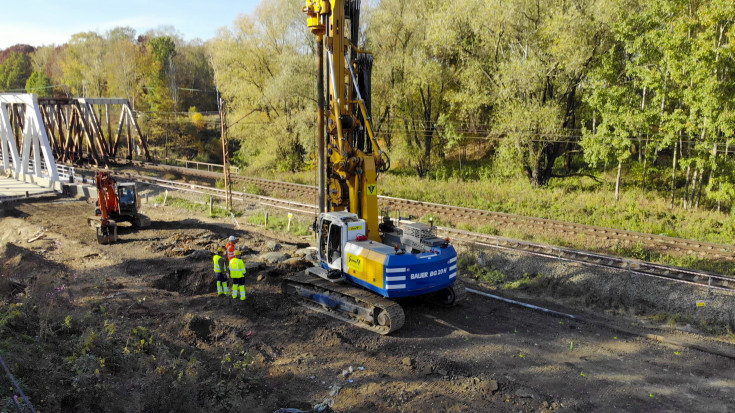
(209, 167)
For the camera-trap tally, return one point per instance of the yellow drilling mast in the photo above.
(353, 156)
(364, 264)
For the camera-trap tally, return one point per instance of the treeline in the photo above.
(544, 88)
(472, 89)
(168, 81)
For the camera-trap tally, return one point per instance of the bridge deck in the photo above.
(11, 189)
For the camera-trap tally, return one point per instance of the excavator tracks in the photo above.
(344, 302)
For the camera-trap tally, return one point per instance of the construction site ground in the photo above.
(137, 326)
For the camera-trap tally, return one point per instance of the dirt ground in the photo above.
(137, 326)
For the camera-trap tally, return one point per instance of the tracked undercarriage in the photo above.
(355, 305)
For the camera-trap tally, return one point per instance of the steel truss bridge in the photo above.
(35, 132)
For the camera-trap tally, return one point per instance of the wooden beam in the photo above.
(119, 132)
(143, 144)
(85, 129)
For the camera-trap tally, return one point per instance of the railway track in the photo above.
(665, 272)
(479, 217)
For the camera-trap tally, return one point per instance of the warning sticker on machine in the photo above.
(372, 189)
(355, 262)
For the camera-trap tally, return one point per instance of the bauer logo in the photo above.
(355, 262)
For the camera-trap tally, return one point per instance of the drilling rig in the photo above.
(364, 261)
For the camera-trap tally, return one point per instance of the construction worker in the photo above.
(219, 272)
(231, 247)
(237, 273)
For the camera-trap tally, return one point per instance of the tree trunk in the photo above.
(719, 198)
(700, 185)
(645, 166)
(673, 177)
(617, 181)
(687, 185)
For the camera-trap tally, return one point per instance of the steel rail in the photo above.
(665, 272)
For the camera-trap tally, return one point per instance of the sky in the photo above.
(44, 22)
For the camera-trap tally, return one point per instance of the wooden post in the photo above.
(119, 132)
(266, 219)
(143, 145)
(130, 139)
(226, 154)
(211, 204)
(288, 227)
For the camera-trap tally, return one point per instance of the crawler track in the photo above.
(299, 286)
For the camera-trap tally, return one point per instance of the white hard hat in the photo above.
(232, 238)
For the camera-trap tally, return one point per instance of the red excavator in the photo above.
(115, 202)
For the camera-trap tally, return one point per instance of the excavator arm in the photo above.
(107, 201)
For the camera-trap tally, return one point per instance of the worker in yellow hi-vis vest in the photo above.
(220, 272)
(237, 273)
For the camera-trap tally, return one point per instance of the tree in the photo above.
(39, 84)
(15, 71)
(195, 77)
(121, 63)
(551, 47)
(160, 91)
(264, 67)
(83, 65)
(668, 81)
(411, 81)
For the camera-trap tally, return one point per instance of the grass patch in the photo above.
(469, 264)
(574, 199)
(218, 211)
(431, 218)
(637, 251)
(279, 222)
(667, 318)
(487, 275)
(521, 283)
(253, 189)
(487, 229)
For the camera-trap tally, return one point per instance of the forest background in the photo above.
(611, 112)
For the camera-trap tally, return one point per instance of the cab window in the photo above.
(335, 242)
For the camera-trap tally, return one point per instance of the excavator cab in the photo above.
(335, 231)
(116, 202)
(128, 196)
(331, 242)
